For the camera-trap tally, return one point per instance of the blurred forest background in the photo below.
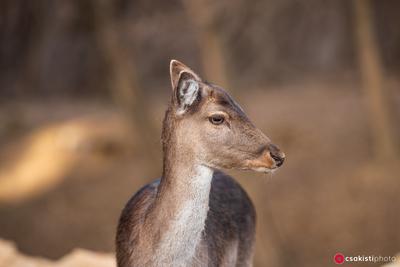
(84, 85)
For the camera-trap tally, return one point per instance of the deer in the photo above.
(195, 214)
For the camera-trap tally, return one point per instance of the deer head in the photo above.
(204, 124)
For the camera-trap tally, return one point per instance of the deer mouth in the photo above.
(263, 169)
(264, 163)
(260, 169)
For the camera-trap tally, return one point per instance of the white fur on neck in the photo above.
(178, 245)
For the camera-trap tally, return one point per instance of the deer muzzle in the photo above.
(271, 158)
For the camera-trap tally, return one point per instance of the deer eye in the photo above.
(216, 119)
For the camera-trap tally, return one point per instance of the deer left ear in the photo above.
(185, 85)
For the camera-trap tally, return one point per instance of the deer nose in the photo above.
(276, 154)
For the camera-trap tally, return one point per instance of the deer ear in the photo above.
(185, 85)
(176, 68)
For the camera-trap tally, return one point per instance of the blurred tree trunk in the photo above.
(39, 26)
(122, 81)
(373, 81)
(209, 41)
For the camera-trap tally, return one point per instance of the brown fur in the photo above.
(152, 229)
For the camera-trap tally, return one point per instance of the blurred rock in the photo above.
(396, 263)
(10, 257)
(85, 258)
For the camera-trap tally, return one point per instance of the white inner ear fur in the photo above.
(188, 90)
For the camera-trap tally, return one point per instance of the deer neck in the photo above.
(181, 207)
